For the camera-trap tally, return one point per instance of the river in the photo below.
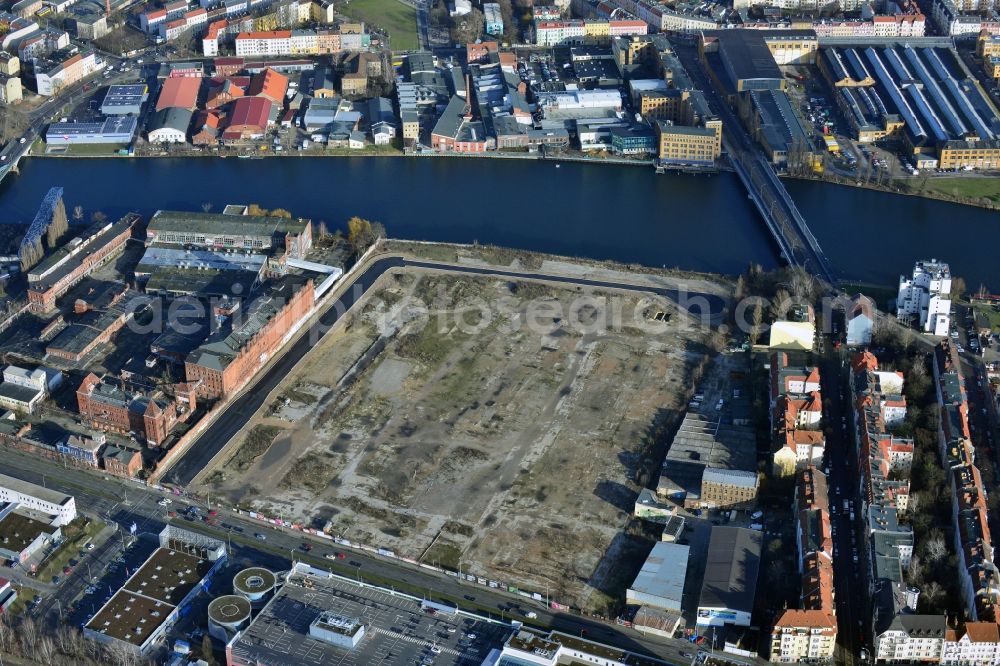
(628, 214)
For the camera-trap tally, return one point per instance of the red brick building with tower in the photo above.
(112, 408)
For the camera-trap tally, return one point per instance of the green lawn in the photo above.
(89, 149)
(399, 20)
(974, 187)
(76, 535)
(992, 315)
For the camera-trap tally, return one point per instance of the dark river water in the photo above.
(627, 214)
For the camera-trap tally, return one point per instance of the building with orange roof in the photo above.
(803, 635)
(809, 633)
(179, 92)
(205, 129)
(480, 51)
(269, 84)
(790, 377)
(224, 92)
(210, 42)
(972, 644)
(860, 321)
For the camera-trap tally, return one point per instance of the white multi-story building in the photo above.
(16, 29)
(493, 18)
(924, 300)
(977, 645)
(681, 22)
(911, 639)
(558, 33)
(64, 68)
(803, 636)
(272, 43)
(30, 496)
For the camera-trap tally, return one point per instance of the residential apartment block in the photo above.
(589, 31)
(924, 299)
(911, 639)
(319, 41)
(64, 68)
(975, 644)
(978, 576)
(809, 633)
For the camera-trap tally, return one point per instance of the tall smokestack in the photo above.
(107, 8)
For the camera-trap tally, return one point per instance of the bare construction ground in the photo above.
(477, 441)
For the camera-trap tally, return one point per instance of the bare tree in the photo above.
(780, 304)
(7, 635)
(802, 284)
(78, 213)
(28, 632)
(58, 226)
(98, 217)
(46, 649)
(206, 207)
(756, 318)
(936, 549)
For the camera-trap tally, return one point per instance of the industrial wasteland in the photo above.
(257, 430)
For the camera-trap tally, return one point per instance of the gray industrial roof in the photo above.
(450, 122)
(172, 117)
(731, 568)
(664, 572)
(780, 125)
(220, 225)
(123, 126)
(16, 392)
(747, 55)
(279, 634)
(124, 96)
(733, 477)
(30, 489)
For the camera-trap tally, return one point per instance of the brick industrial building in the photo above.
(96, 324)
(112, 408)
(231, 231)
(68, 265)
(247, 341)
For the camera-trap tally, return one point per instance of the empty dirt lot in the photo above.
(477, 423)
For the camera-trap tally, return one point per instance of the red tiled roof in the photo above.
(179, 91)
(269, 84)
(806, 618)
(265, 34)
(983, 632)
(250, 112)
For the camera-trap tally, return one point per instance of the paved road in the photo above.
(104, 497)
(215, 437)
(850, 579)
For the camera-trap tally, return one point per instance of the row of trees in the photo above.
(30, 254)
(23, 638)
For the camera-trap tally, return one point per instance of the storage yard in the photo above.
(481, 443)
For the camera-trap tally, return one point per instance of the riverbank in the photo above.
(935, 188)
(581, 209)
(348, 152)
(987, 188)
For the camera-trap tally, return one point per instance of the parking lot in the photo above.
(397, 629)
